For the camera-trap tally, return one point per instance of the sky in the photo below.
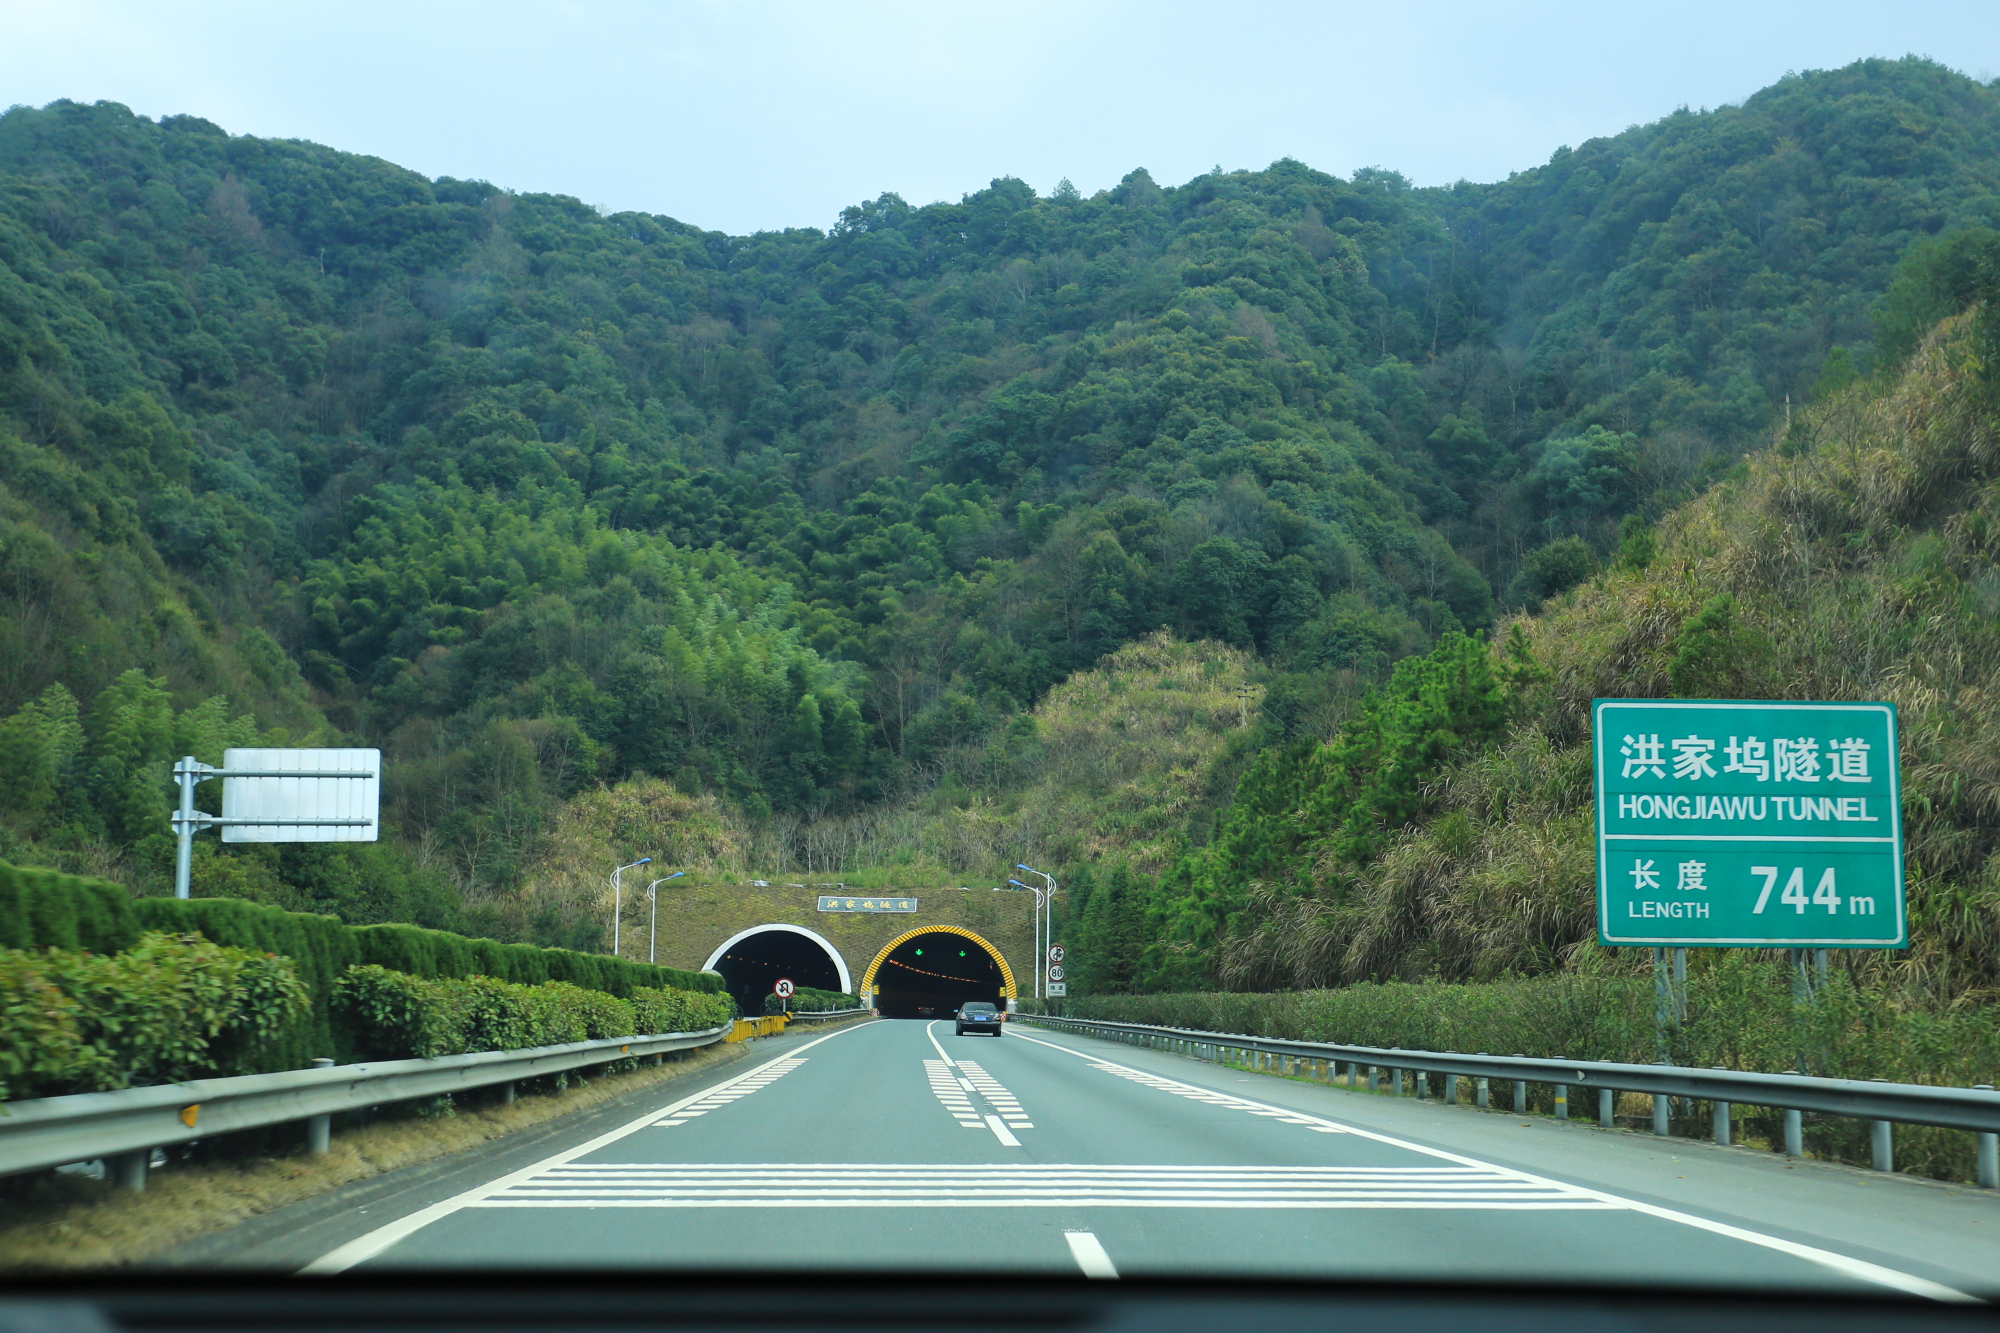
(745, 116)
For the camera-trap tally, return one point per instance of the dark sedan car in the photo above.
(979, 1017)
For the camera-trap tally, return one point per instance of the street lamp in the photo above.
(653, 929)
(1041, 900)
(1049, 932)
(618, 898)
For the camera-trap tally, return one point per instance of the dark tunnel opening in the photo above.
(931, 975)
(754, 963)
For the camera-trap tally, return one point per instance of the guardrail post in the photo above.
(1374, 1075)
(1662, 1107)
(1882, 1140)
(319, 1128)
(1607, 1109)
(1722, 1118)
(1399, 1081)
(1794, 1134)
(128, 1169)
(1483, 1092)
(1520, 1096)
(1562, 1101)
(1422, 1079)
(1451, 1089)
(1989, 1152)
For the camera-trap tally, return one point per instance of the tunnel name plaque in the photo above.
(838, 902)
(1748, 824)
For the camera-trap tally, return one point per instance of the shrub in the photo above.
(811, 1000)
(392, 1015)
(395, 1016)
(41, 909)
(659, 1011)
(169, 1008)
(41, 1040)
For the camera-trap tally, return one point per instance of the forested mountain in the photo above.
(299, 443)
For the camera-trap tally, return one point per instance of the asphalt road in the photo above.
(897, 1145)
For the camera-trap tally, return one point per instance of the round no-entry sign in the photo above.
(784, 989)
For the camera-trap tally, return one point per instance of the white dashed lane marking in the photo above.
(734, 1091)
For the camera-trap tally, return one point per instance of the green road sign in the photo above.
(1749, 824)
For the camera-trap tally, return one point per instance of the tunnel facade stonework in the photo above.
(696, 920)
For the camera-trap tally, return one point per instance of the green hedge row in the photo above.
(41, 909)
(169, 1008)
(812, 1000)
(395, 1016)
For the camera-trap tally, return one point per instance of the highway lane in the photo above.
(897, 1145)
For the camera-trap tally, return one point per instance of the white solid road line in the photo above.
(1839, 1263)
(1089, 1254)
(1001, 1132)
(364, 1248)
(928, 1032)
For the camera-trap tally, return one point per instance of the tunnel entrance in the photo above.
(929, 974)
(750, 963)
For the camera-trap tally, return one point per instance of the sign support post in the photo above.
(279, 804)
(1750, 825)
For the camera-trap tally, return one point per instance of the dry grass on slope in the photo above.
(567, 881)
(1128, 749)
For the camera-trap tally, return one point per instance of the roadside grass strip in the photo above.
(991, 1089)
(734, 1091)
(953, 1093)
(930, 1185)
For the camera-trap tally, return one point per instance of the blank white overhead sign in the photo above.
(297, 785)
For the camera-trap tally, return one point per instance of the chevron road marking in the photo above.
(730, 1092)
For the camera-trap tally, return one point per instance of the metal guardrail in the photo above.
(129, 1123)
(1973, 1109)
(817, 1016)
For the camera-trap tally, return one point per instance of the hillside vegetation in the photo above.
(1446, 831)
(791, 540)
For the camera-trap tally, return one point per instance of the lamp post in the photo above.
(653, 925)
(618, 898)
(1041, 899)
(1049, 930)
